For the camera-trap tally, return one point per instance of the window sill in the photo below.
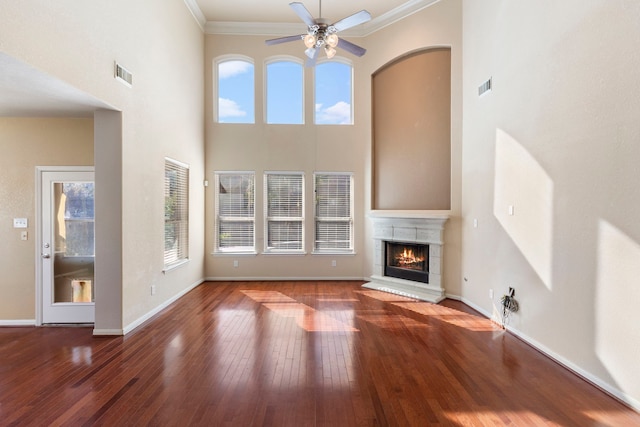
(234, 253)
(286, 253)
(333, 253)
(175, 265)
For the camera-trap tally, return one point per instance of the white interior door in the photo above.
(67, 247)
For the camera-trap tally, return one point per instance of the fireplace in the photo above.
(407, 261)
(407, 253)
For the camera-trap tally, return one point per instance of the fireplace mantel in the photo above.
(409, 227)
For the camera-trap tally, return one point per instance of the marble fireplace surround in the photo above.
(408, 227)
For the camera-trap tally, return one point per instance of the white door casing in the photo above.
(64, 256)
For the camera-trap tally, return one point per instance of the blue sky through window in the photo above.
(333, 93)
(236, 92)
(284, 91)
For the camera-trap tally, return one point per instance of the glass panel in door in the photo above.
(74, 242)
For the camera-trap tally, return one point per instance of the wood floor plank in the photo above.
(294, 354)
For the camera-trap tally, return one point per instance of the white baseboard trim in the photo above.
(596, 381)
(18, 322)
(453, 297)
(139, 321)
(278, 279)
(107, 332)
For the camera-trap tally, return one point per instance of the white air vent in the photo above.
(123, 75)
(484, 87)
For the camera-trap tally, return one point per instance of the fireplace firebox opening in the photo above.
(409, 261)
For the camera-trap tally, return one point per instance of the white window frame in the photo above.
(280, 219)
(319, 218)
(220, 219)
(179, 255)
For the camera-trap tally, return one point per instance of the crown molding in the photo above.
(394, 15)
(196, 13)
(280, 29)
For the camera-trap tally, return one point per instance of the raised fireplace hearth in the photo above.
(408, 254)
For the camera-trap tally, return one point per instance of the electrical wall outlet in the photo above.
(333, 263)
(20, 223)
(153, 289)
(235, 263)
(490, 293)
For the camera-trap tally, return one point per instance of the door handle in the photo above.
(46, 256)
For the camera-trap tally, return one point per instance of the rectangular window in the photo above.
(284, 212)
(235, 212)
(333, 212)
(176, 212)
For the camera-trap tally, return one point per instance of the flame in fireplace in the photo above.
(406, 258)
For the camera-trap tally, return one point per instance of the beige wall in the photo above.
(27, 143)
(162, 116)
(557, 139)
(412, 132)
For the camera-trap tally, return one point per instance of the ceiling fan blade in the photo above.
(284, 39)
(303, 13)
(350, 47)
(353, 20)
(311, 61)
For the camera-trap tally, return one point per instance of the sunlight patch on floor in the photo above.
(308, 318)
(449, 315)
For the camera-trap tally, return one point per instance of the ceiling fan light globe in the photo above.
(310, 52)
(309, 40)
(332, 40)
(330, 51)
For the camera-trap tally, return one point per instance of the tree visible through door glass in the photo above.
(78, 205)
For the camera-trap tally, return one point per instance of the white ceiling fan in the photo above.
(322, 35)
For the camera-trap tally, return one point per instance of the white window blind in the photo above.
(176, 212)
(333, 212)
(235, 211)
(284, 211)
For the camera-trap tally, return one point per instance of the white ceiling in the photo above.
(25, 91)
(278, 11)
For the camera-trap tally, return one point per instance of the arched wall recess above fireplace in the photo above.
(411, 104)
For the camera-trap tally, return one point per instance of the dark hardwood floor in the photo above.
(294, 354)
